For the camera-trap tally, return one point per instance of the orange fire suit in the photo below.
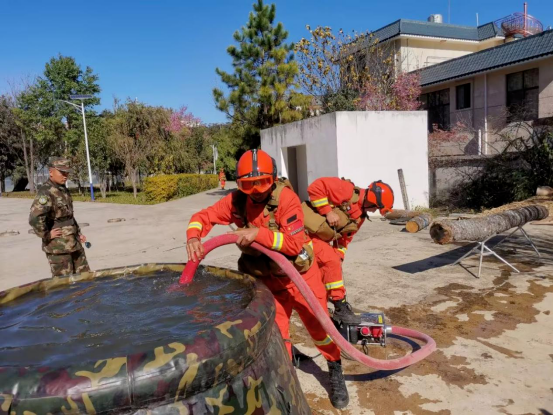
(324, 194)
(289, 241)
(222, 179)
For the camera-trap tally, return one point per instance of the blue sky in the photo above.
(165, 52)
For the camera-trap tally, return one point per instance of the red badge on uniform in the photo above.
(293, 225)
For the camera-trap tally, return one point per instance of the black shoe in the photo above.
(343, 312)
(338, 392)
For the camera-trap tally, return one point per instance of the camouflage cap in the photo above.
(61, 164)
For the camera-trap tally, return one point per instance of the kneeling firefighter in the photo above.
(268, 212)
(335, 212)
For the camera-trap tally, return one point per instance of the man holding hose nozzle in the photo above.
(269, 213)
(344, 206)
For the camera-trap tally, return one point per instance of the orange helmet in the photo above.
(381, 195)
(255, 172)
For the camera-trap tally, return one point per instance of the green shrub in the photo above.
(166, 187)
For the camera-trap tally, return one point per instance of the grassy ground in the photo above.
(122, 197)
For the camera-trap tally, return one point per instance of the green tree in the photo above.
(49, 126)
(228, 139)
(135, 132)
(9, 141)
(198, 150)
(263, 87)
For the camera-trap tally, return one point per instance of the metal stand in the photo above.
(482, 247)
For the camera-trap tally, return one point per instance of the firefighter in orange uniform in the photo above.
(345, 207)
(222, 178)
(269, 213)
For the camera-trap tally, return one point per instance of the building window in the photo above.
(522, 95)
(462, 93)
(437, 105)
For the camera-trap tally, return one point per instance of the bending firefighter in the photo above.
(335, 212)
(268, 212)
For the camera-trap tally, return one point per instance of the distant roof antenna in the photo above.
(477, 20)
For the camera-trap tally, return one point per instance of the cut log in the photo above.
(399, 214)
(480, 229)
(418, 223)
(544, 191)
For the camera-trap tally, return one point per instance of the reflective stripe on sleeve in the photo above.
(195, 225)
(320, 202)
(334, 285)
(278, 239)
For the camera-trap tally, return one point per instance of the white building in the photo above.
(362, 146)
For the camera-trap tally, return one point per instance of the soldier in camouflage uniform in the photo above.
(52, 220)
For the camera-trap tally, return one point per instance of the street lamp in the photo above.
(215, 157)
(81, 108)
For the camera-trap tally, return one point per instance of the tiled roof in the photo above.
(441, 30)
(517, 51)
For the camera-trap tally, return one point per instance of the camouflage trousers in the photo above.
(67, 264)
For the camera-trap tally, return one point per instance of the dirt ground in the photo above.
(494, 333)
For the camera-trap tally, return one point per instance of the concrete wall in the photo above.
(373, 145)
(361, 146)
(318, 135)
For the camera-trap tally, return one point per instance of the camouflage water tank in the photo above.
(238, 366)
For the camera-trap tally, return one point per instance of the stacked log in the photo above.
(480, 229)
(418, 223)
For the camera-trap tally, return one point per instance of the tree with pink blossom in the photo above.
(181, 122)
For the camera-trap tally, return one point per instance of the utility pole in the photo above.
(81, 108)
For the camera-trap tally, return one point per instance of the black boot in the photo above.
(338, 392)
(343, 312)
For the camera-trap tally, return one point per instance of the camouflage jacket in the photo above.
(53, 208)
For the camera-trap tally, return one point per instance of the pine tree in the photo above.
(263, 87)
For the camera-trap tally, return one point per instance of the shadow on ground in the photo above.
(515, 250)
(220, 192)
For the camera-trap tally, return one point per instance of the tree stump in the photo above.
(418, 223)
(480, 229)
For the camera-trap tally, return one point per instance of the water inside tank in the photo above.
(114, 316)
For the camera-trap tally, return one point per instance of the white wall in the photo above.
(362, 146)
(318, 135)
(373, 145)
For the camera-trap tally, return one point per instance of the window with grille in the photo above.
(523, 95)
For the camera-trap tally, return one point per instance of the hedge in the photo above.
(166, 187)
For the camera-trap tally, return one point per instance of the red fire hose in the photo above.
(320, 313)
